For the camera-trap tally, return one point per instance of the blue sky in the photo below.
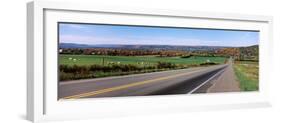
(116, 34)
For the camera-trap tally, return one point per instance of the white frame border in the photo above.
(35, 44)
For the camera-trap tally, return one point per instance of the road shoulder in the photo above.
(227, 82)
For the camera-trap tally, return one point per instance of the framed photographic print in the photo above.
(98, 61)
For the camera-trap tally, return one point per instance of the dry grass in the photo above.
(248, 75)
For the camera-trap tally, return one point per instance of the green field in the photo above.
(94, 66)
(247, 74)
(135, 60)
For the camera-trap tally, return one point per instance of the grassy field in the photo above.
(247, 73)
(94, 66)
(135, 60)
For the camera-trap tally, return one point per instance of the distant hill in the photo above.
(73, 45)
(141, 47)
(249, 53)
(241, 53)
(238, 53)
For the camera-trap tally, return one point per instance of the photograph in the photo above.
(112, 60)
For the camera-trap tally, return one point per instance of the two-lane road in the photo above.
(158, 83)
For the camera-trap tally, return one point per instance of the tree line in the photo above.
(73, 72)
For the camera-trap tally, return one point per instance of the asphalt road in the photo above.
(227, 82)
(158, 83)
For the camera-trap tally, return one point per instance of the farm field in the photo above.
(74, 67)
(247, 74)
(134, 60)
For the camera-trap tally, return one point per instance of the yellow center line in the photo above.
(93, 93)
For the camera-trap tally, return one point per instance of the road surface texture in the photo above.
(226, 82)
(193, 80)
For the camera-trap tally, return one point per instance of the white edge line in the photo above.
(205, 82)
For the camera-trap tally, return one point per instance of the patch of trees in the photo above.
(238, 53)
(161, 65)
(187, 56)
(249, 53)
(208, 63)
(233, 52)
(123, 52)
(73, 72)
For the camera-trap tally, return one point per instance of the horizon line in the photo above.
(161, 45)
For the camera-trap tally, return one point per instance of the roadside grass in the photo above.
(99, 74)
(247, 74)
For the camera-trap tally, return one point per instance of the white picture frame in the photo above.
(41, 63)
